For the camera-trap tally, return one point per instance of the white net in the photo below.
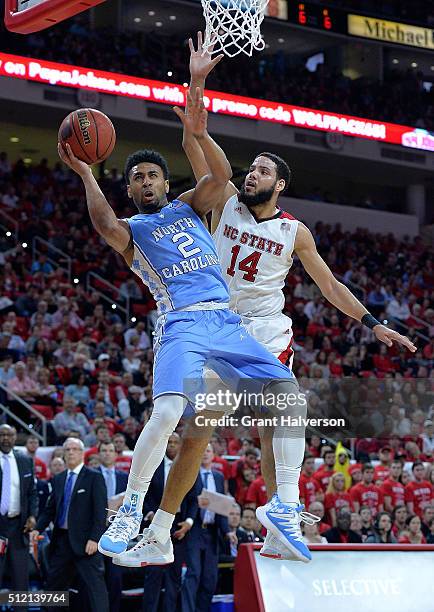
(233, 26)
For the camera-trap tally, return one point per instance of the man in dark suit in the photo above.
(202, 547)
(169, 576)
(76, 506)
(342, 534)
(18, 509)
(116, 482)
(227, 549)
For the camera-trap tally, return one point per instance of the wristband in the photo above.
(370, 321)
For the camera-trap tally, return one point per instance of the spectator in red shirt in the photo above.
(367, 449)
(248, 460)
(366, 493)
(355, 471)
(325, 472)
(123, 462)
(315, 446)
(418, 492)
(413, 534)
(219, 463)
(32, 445)
(336, 497)
(243, 482)
(392, 489)
(399, 516)
(310, 490)
(381, 471)
(256, 493)
(99, 413)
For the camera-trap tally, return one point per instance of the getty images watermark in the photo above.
(276, 409)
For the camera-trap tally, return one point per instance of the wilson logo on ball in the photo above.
(84, 124)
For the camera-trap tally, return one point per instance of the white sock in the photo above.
(134, 498)
(288, 456)
(161, 525)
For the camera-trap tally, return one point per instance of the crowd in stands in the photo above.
(400, 98)
(84, 367)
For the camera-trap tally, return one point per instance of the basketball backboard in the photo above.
(26, 16)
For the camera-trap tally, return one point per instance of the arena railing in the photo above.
(26, 426)
(109, 293)
(56, 257)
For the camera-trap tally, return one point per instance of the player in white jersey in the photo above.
(255, 242)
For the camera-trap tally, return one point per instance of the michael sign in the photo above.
(390, 31)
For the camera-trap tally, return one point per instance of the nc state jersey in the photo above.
(255, 257)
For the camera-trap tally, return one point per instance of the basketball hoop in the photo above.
(233, 26)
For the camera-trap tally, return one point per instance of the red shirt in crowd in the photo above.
(381, 472)
(337, 501)
(406, 540)
(223, 466)
(123, 463)
(41, 471)
(393, 489)
(367, 495)
(94, 450)
(323, 475)
(308, 486)
(257, 493)
(112, 426)
(420, 493)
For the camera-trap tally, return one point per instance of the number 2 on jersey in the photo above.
(249, 264)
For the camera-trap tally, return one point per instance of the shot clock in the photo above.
(317, 16)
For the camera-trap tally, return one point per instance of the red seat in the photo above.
(46, 411)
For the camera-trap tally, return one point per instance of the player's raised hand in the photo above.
(390, 336)
(68, 157)
(201, 61)
(195, 118)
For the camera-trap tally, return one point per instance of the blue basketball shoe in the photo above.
(125, 526)
(283, 521)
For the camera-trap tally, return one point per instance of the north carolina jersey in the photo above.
(255, 257)
(175, 256)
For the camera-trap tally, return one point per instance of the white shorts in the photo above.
(275, 333)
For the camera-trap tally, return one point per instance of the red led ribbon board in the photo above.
(44, 14)
(77, 77)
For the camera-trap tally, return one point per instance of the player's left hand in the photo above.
(30, 524)
(195, 119)
(91, 547)
(201, 62)
(184, 528)
(389, 336)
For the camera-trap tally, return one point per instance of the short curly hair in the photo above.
(145, 155)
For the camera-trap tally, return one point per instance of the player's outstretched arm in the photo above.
(201, 64)
(338, 294)
(209, 192)
(114, 231)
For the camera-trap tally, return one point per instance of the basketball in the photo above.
(89, 133)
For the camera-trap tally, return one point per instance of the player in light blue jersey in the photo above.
(168, 246)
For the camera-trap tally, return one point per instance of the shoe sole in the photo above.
(128, 563)
(261, 515)
(108, 553)
(278, 556)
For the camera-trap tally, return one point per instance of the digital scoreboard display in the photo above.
(317, 16)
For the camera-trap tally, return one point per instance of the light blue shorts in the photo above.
(187, 341)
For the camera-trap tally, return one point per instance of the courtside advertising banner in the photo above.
(349, 581)
(65, 75)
